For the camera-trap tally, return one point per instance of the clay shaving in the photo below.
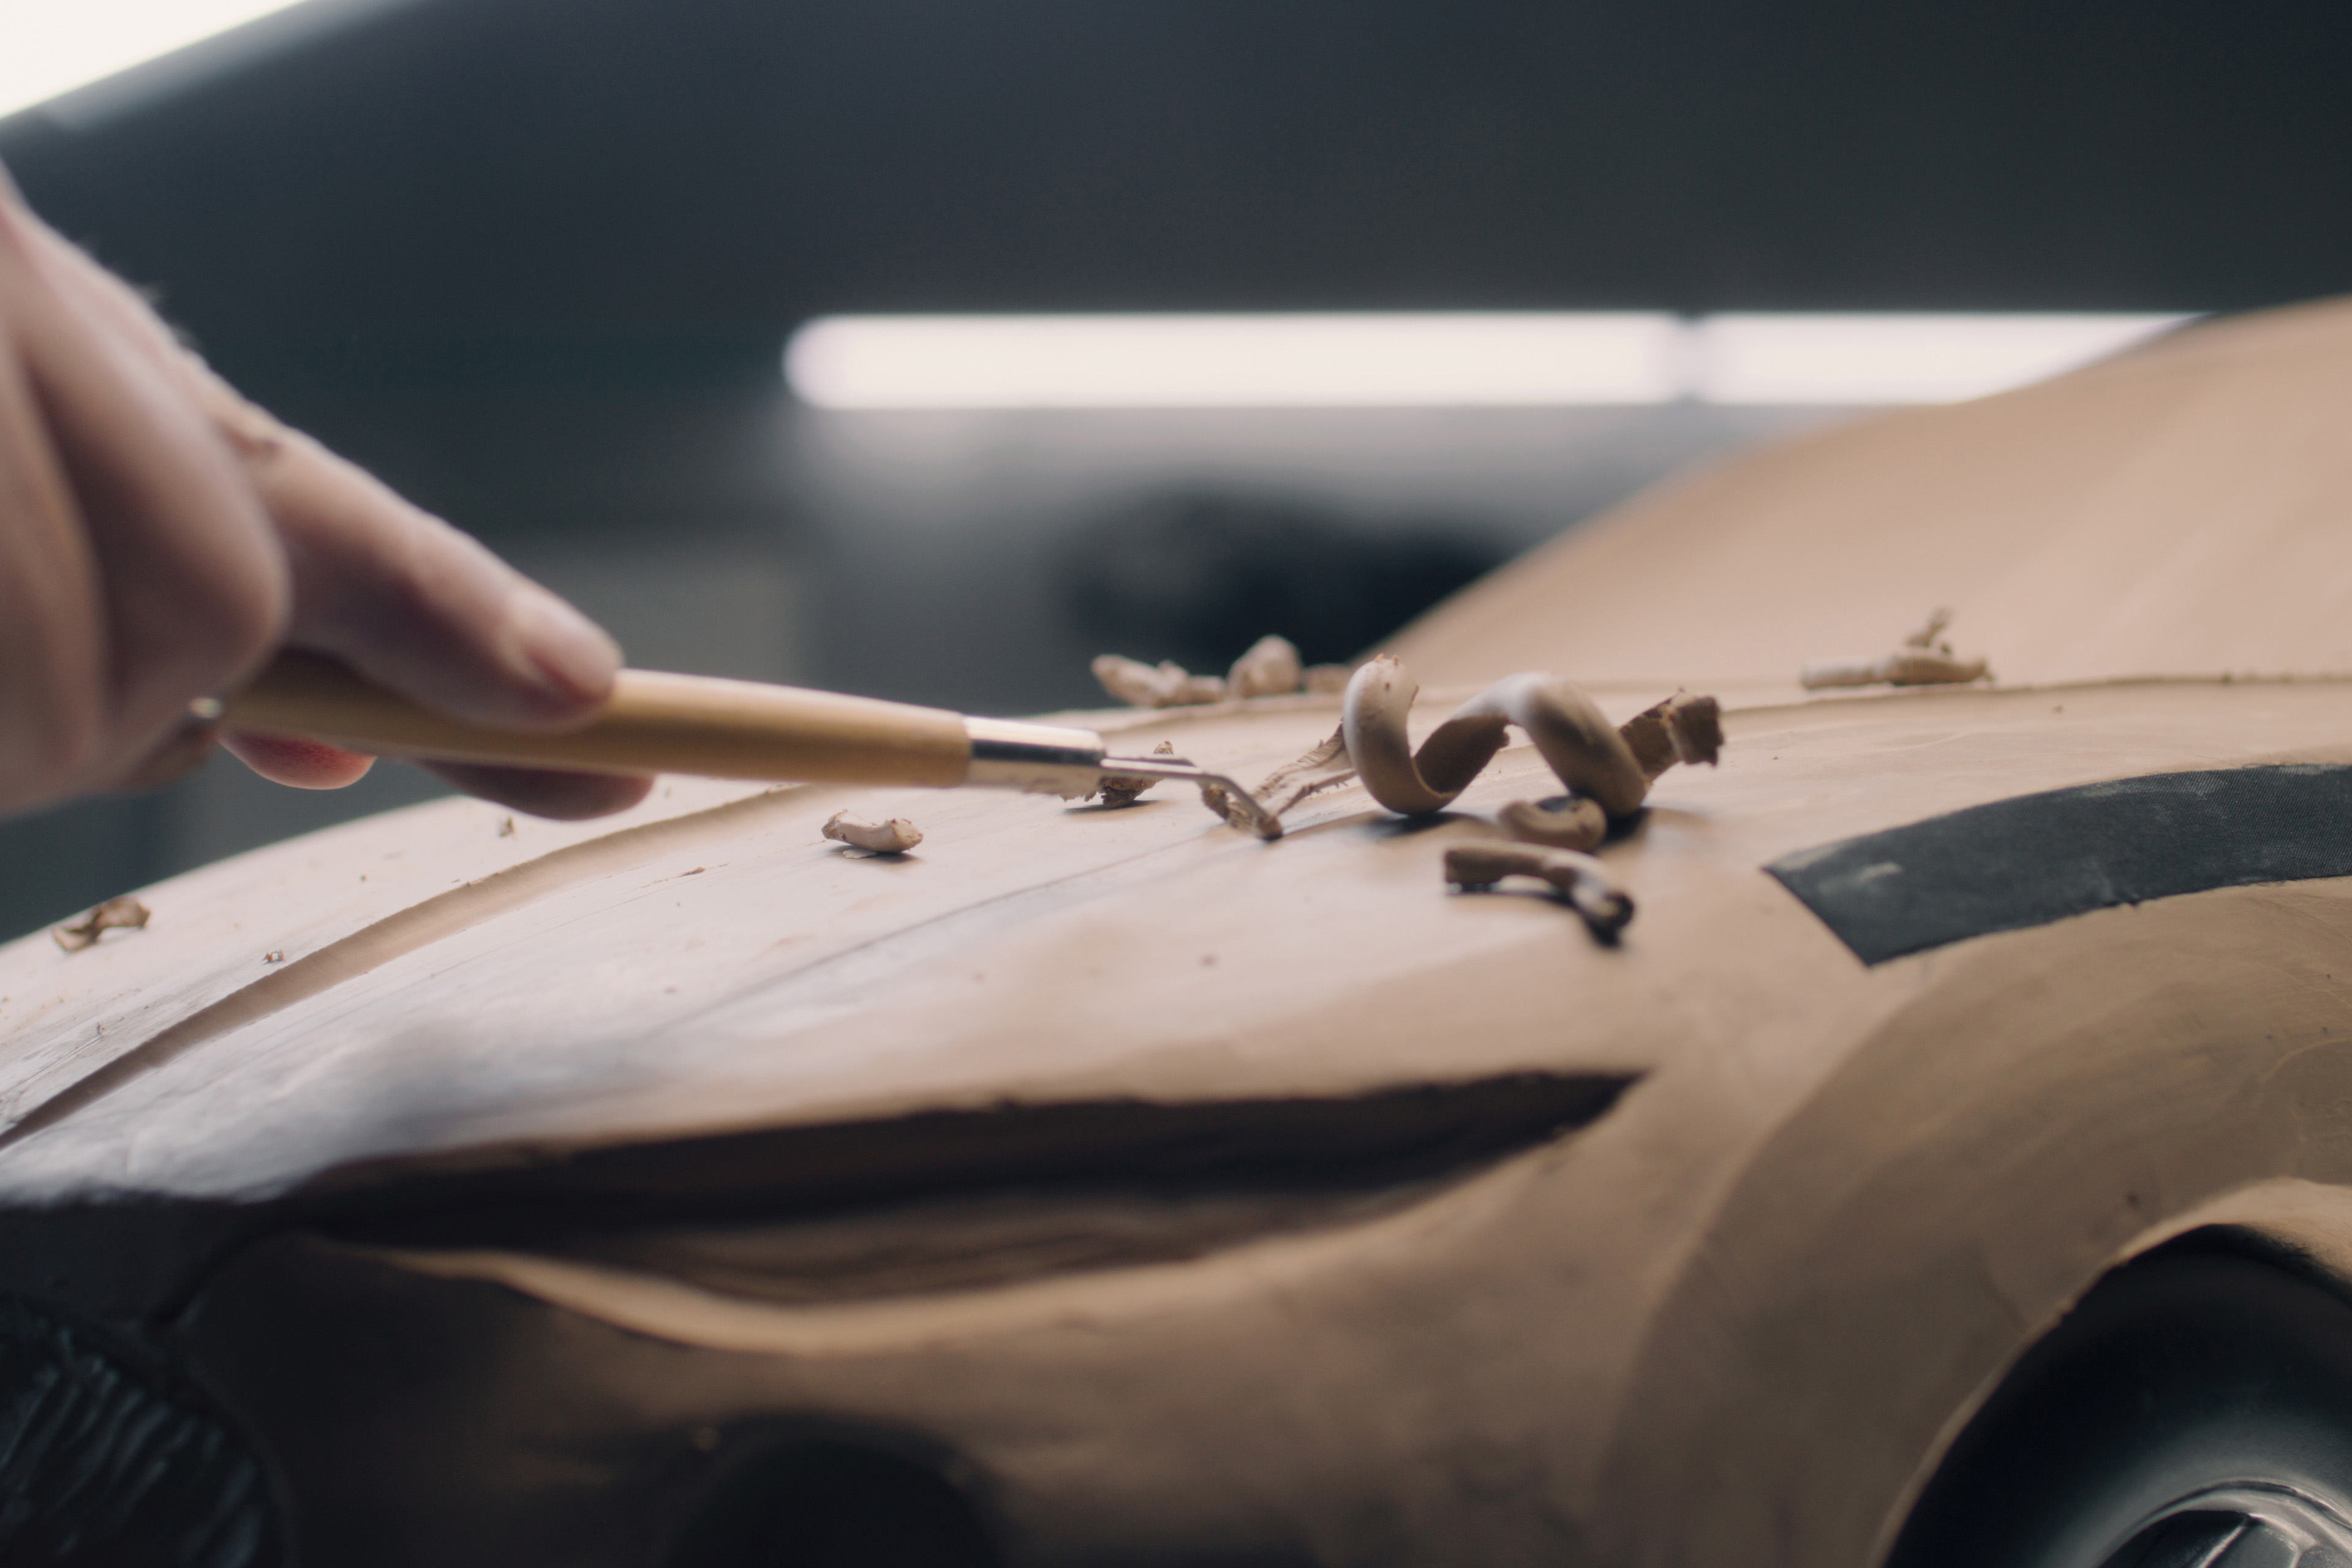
(1608, 771)
(1577, 876)
(1326, 767)
(1924, 659)
(1166, 685)
(125, 913)
(1270, 669)
(895, 836)
(1611, 767)
(1562, 822)
(1118, 790)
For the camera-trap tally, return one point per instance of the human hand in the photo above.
(161, 538)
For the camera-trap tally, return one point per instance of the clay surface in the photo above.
(2175, 510)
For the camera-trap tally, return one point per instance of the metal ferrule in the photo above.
(1042, 759)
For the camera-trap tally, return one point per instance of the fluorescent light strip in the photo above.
(54, 46)
(1491, 359)
(1781, 360)
(1322, 361)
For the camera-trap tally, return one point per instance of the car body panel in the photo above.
(2175, 511)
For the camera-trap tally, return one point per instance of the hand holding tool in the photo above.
(658, 722)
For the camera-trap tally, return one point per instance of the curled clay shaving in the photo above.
(1607, 772)
(1123, 789)
(1270, 669)
(1579, 877)
(125, 913)
(1922, 660)
(895, 836)
(1613, 769)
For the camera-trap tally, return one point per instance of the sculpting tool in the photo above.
(663, 723)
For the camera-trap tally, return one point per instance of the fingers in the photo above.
(568, 797)
(53, 620)
(183, 751)
(140, 571)
(300, 763)
(412, 602)
(398, 594)
(159, 536)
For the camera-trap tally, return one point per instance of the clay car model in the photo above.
(1950, 1163)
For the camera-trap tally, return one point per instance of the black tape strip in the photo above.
(2040, 857)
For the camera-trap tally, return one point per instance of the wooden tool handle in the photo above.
(655, 723)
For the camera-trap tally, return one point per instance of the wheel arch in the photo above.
(2303, 1227)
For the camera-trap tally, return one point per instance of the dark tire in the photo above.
(2194, 1410)
(105, 1465)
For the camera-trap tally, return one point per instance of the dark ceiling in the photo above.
(454, 206)
(713, 166)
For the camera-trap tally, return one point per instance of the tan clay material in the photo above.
(1584, 751)
(1324, 765)
(1562, 821)
(1732, 1316)
(1922, 660)
(124, 913)
(1164, 685)
(1270, 668)
(1579, 877)
(895, 836)
(1119, 790)
(2175, 511)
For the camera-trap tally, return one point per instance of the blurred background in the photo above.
(536, 262)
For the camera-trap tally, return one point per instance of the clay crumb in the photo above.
(895, 836)
(1164, 685)
(505, 827)
(1682, 729)
(1115, 790)
(1562, 822)
(1924, 658)
(1577, 877)
(125, 913)
(275, 955)
(1271, 667)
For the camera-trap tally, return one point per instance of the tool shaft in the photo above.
(655, 722)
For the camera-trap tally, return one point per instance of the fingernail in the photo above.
(563, 650)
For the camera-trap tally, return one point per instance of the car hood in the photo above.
(449, 986)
